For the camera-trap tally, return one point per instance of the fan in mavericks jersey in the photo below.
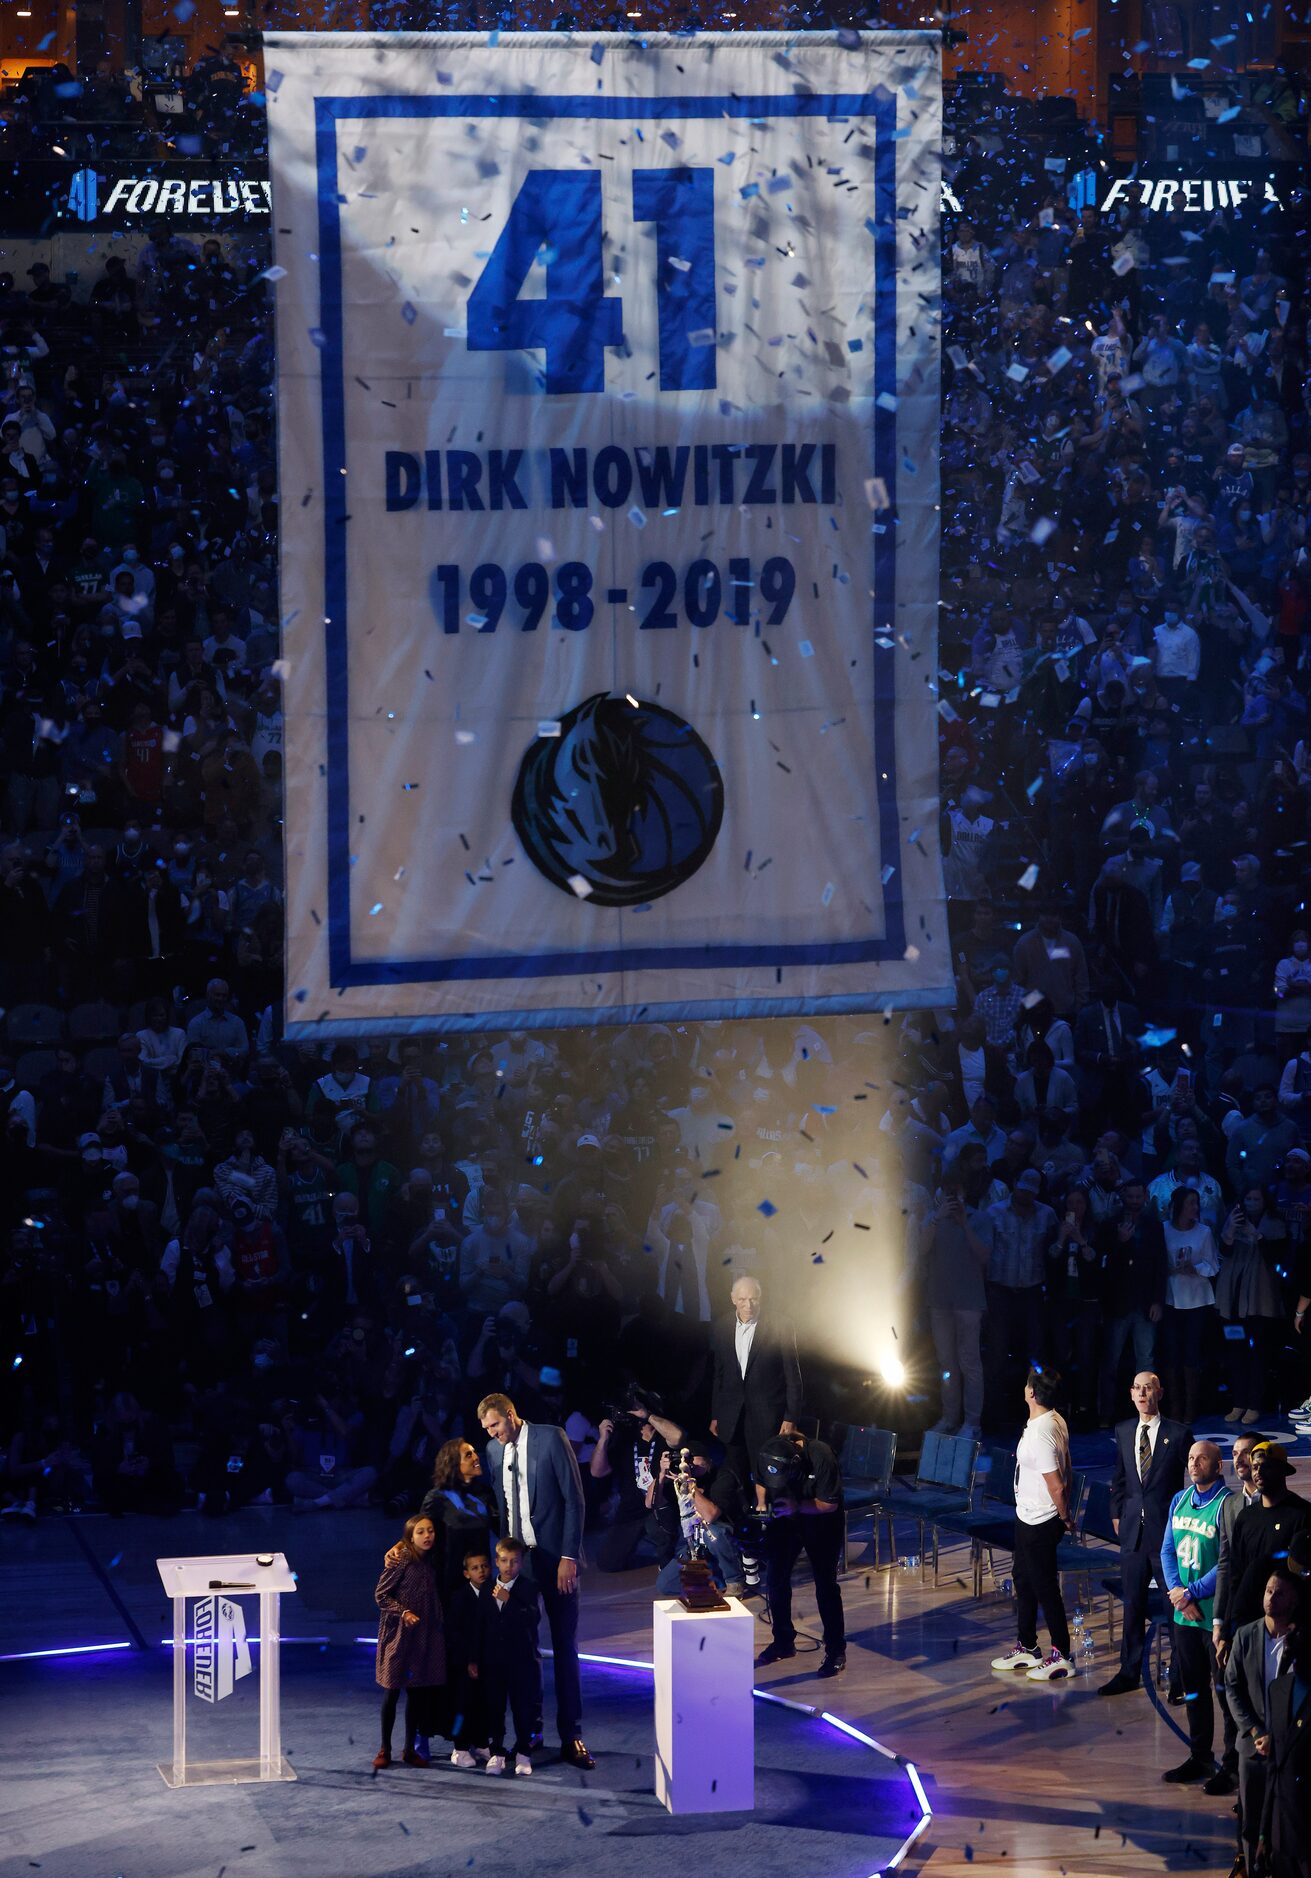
(1189, 1556)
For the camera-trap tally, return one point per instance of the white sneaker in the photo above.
(1017, 1657)
(1052, 1668)
(522, 1765)
(495, 1764)
(461, 1757)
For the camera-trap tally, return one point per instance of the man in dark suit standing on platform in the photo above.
(1286, 1814)
(1151, 1456)
(539, 1495)
(756, 1391)
(1258, 1653)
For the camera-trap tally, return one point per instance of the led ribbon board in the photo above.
(608, 408)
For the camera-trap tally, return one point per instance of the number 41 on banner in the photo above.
(557, 215)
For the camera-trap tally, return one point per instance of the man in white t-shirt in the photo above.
(1042, 1519)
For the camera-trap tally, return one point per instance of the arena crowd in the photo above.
(234, 1270)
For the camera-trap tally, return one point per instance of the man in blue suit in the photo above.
(539, 1496)
(1151, 1454)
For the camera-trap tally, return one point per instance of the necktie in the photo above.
(514, 1492)
(1144, 1450)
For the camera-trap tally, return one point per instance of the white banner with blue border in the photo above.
(608, 418)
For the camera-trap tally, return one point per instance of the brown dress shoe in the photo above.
(575, 1752)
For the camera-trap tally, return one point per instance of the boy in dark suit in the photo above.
(466, 1626)
(510, 1666)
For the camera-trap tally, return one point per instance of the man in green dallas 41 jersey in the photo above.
(1190, 1553)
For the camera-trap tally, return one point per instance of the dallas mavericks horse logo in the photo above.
(627, 799)
(222, 1651)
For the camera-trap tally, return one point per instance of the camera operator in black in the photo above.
(645, 1528)
(803, 1494)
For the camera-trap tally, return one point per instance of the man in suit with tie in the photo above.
(1286, 1814)
(756, 1392)
(1151, 1454)
(1258, 1653)
(539, 1495)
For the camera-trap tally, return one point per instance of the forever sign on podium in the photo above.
(222, 1654)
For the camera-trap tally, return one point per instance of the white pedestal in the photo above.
(704, 1713)
(217, 1651)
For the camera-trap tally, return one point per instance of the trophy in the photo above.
(700, 1592)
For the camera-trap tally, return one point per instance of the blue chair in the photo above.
(867, 1459)
(989, 1521)
(1095, 1549)
(944, 1486)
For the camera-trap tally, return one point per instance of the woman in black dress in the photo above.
(461, 1506)
(411, 1640)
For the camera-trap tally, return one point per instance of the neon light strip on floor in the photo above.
(612, 1662)
(911, 1837)
(167, 1643)
(76, 1649)
(834, 1721)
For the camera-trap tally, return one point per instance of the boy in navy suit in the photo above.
(510, 1666)
(466, 1626)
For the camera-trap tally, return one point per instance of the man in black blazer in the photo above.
(1256, 1658)
(1151, 1456)
(1286, 1814)
(756, 1391)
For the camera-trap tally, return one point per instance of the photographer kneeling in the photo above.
(803, 1496)
(711, 1503)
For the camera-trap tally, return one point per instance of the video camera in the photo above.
(782, 1468)
(629, 1419)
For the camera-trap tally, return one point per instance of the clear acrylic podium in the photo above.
(704, 1709)
(212, 1657)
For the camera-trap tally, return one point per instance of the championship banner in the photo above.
(608, 419)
